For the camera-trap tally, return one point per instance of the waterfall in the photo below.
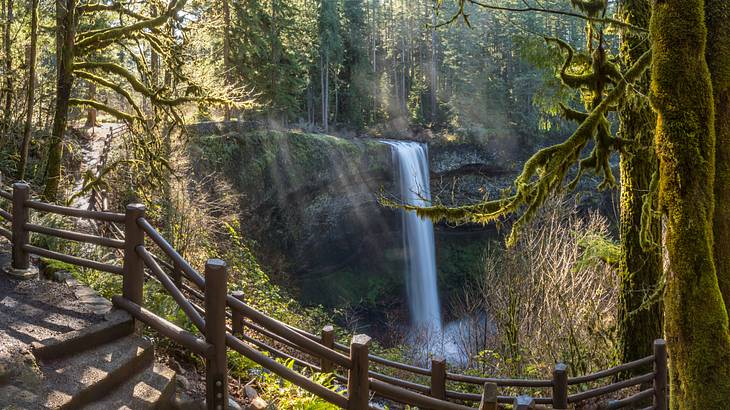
(411, 158)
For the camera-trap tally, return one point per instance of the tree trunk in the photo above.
(639, 269)
(696, 320)
(227, 66)
(24, 147)
(91, 111)
(7, 41)
(66, 28)
(433, 73)
(717, 15)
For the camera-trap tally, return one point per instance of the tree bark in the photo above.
(433, 68)
(696, 320)
(91, 112)
(717, 16)
(227, 66)
(66, 30)
(30, 101)
(7, 41)
(640, 269)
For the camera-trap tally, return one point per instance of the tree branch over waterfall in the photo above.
(545, 172)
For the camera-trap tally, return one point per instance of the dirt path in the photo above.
(92, 153)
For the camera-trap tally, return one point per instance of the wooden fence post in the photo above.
(21, 258)
(560, 386)
(660, 375)
(489, 397)
(236, 315)
(358, 385)
(216, 366)
(328, 341)
(524, 403)
(133, 268)
(438, 378)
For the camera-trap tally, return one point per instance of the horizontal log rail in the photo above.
(289, 342)
(603, 390)
(632, 400)
(286, 373)
(75, 212)
(405, 396)
(165, 328)
(612, 371)
(74, 260)
(75, 236)
(499, 382)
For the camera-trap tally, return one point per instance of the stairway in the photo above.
(104, 366)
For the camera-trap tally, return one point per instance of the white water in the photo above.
(411, 158)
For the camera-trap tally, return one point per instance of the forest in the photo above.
(506, 196)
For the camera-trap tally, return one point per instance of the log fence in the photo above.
(224, 321)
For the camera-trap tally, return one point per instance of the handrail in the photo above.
(375, 358)
(75, 236)
(270, 323)
(75, 212)
(611, 371)
(282, 330)
(499, 382)
(168, 329)
(286, 373)
(192, 314)
(297, 342)
(406, 396)
(599, 391)
(74, 260)
(628, 401)
(190, 272)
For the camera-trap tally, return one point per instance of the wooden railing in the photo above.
(205, 300)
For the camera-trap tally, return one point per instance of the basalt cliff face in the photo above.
(310, 202)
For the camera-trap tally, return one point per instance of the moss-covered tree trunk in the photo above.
(30, 95)
(640, 322)
(717, 13)
(696, 320)
(66, 26)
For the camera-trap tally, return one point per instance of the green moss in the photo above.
(639, 268)
(262, 159)
(717, 13)
(696, 320)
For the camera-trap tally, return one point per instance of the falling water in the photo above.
(412, 161)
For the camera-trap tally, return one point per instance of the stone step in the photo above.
(152, 388)
(117, 324)
(78, 380)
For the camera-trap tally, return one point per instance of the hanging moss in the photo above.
(696, 320)
(545, 172)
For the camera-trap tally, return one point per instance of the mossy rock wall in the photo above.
(310, 203)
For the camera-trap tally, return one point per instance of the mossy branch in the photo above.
(111, 85)
(546, 170)
(572, 80)
(92, 38)
(105, 108)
